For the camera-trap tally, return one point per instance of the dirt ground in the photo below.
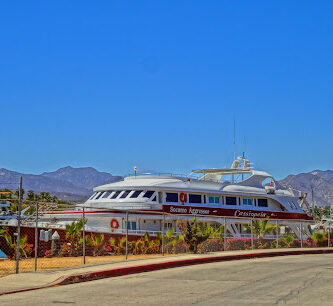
(7, 266)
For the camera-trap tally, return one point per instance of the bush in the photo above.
(211, 245)
(238, 244)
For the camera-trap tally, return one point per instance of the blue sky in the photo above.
(156, 83)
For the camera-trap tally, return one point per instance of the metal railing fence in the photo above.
(84, 237)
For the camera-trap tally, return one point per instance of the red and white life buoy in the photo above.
(182, 197)
(114, 224)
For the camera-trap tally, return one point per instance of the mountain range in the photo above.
(68, 183)
(318, 184)
(76, 184)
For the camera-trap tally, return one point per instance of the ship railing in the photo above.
(191, 176)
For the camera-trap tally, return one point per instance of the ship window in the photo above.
(171, 197)
(194, 198)
(106, 195)
(262, 203)
(154, 198)
(213, 200)
(168, 225)
(292, 204)
(136, 193)
(92, 195)
(116, 194)
(231, 200)
(125, 194)
(99, 195)
(148, 194)
(247, 201)
(131, 225)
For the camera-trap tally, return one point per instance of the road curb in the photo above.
(95, 275)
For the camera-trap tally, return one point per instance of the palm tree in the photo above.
(73, 233)
(17, 193)
(318, 238)
(288, 240)
(260, 227)
(30, 195)
(194, 233)
(118, 247)
(96, 242)
(12, 244)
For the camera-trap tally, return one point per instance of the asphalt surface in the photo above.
(293, 280)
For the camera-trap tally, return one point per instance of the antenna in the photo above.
(244, 147)
(233, 178)
(313, 204)
(234, 137)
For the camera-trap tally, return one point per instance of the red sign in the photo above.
(228, 212)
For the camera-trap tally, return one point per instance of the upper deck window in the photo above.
(106, 195)
(99, 195)
(292, 204)
(116, 194)
(136, 193)
(213, 200)
(148, 194)
(92, 195)
(262, 203)
(125, 194)
(247, 201)
(171, 197)
(231, 200)
(194, 198)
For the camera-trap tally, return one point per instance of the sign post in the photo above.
(301, 229)
(251, 234)
(126, 234)
(277, 233)
(329, 234)
(224, 235)
(163, 224)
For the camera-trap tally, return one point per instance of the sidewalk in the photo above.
(37, 280)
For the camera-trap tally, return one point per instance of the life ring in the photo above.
(114, 224)
(182, 197)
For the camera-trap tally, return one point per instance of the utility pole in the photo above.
(36, 235)
(313, 205)
(233, 176)
(18, 237)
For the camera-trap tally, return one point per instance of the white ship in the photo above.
(156, 202)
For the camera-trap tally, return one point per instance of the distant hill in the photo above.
(320, 181)
(68, 183)
(86, 178)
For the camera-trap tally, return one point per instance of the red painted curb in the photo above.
(90, 276)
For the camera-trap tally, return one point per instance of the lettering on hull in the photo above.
(226, 212)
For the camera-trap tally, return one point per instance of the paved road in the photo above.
(295, 280)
